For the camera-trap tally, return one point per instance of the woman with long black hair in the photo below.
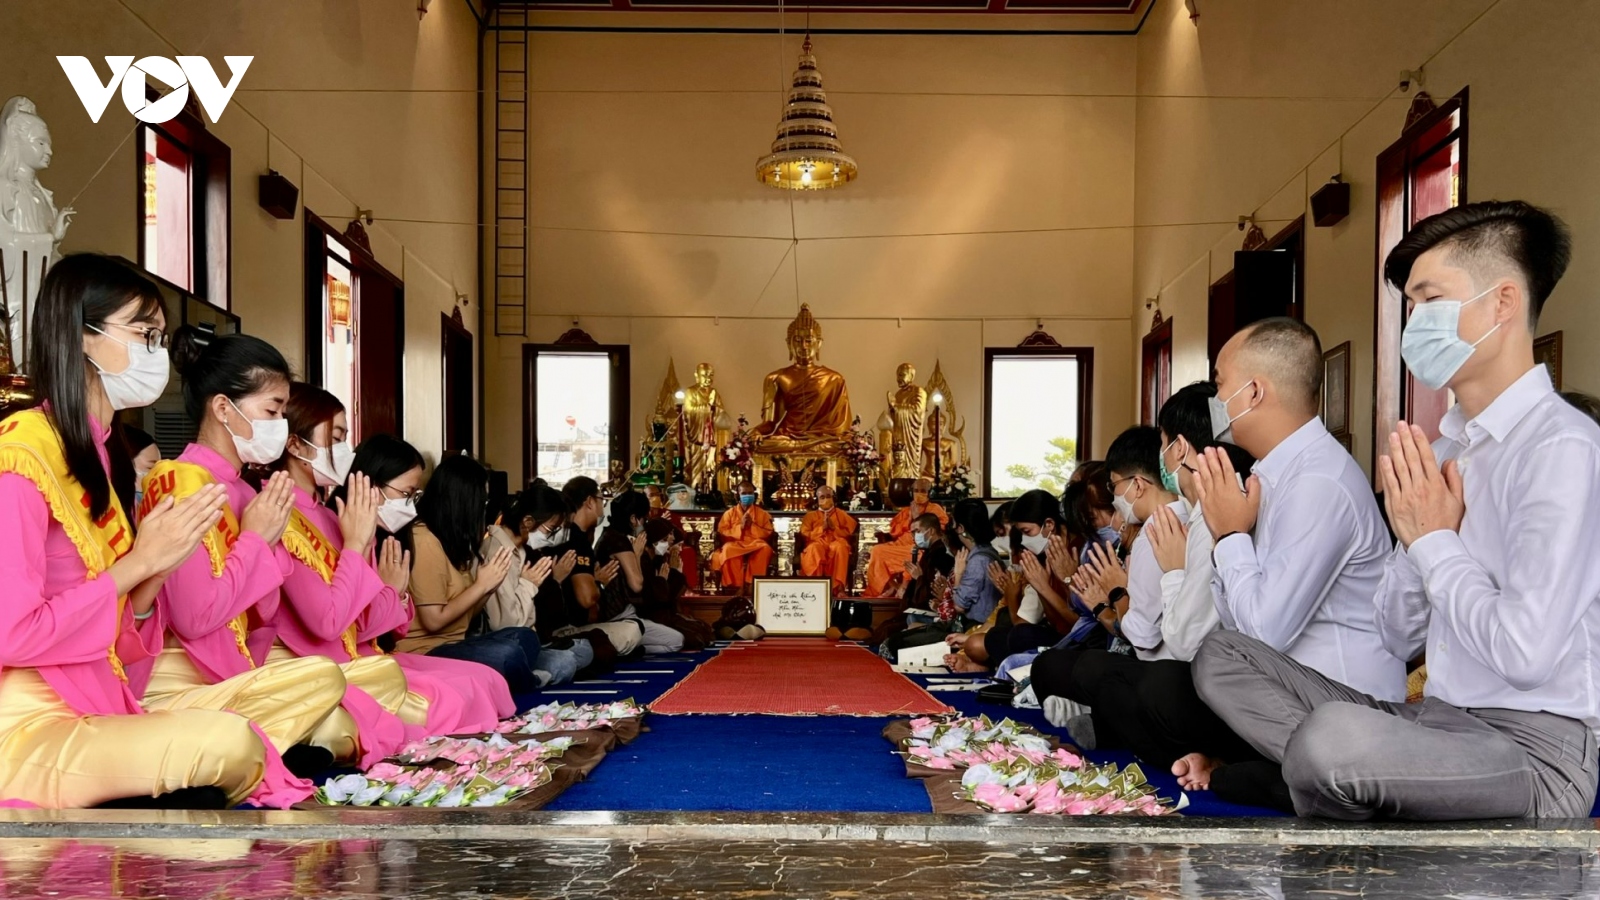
(623, 540)
(80, 605)
(445, 696)
(450, 584)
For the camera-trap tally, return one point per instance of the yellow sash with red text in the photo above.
(308, 544)
(171, 478)
(31, 448)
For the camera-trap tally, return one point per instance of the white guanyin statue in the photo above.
(31, 228)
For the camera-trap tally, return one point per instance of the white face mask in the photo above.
(331, 467)
(539, 540)
(1035, 543)
(1221, 422)
(142, 382)
(661, 547)
(1001, 545)
(1124, 508)
(1431, 344)
(268, 438)
(394, 515)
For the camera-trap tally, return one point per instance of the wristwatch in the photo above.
(1116, 595)
(1095, 613)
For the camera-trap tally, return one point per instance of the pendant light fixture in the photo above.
(807, 155)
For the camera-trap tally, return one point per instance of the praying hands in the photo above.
(1227, 510)
(1421, 497)
(1169, 538)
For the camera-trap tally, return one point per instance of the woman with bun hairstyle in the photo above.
(80, 603)
(234, 388)
(447, 696)
(330, 582)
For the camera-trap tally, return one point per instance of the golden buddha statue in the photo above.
(804, 406)
(908, 406)
(701, 404)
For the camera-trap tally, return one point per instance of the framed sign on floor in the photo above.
(793, 606)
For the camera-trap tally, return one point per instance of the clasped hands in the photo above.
(1227, 509)
(1421, 496)
(1099, 576)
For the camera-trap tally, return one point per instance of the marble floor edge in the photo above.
(787, 827)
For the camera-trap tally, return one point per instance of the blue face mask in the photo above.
(747, 499)
(1108, 535)
(920, 540)
(1431, 344)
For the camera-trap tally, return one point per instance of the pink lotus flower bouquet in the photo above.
(571, 717)
(450, 772)
(1010, 768)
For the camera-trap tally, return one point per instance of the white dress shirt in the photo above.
(1304, 582)
(1141, 625)
(1188, 606)
(1510, 607)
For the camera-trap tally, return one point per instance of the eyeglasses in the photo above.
(153, 337)
(415, 495)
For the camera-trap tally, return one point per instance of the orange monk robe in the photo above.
(827, 550)
(745, 553)
(890, 558)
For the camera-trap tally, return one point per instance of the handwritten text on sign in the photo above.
(792, 607)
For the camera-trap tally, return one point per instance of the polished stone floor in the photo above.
(575, 868)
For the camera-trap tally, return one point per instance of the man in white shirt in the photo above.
(1496, 572)
(1149, 705)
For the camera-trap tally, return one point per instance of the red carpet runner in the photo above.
(797, 677)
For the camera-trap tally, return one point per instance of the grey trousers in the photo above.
(1346, 755)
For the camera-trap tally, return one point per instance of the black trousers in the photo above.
(1150, 708)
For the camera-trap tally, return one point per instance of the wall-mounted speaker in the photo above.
(278, 195)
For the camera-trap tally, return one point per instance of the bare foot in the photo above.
(1194, 771)
(958, 662)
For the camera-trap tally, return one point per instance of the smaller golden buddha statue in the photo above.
(908, 407)
(701, 405)
(805, 408)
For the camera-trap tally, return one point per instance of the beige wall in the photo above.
(996, 187)
(1254, 107)
(355, 101)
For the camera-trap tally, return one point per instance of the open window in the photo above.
(1422, 174)
(184, 192)
(355, 331)
(575, 412)
(1036, 417)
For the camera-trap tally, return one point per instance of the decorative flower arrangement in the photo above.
(450, 773)
(955, 484)
(570, 717)
(1011, 768)
(741, 447)
(858, 501)
(861, 450)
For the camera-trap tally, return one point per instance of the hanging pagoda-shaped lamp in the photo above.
(807, 155)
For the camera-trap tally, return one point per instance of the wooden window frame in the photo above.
(1155, 371)
(1393, 386)
(1085, 357)
(211, 204)
(621, 400)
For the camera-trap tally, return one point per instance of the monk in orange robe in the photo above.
(745, 553)
(827, 530)
(889, 559)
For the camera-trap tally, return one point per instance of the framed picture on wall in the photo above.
(1547, 350)
(1336, 391)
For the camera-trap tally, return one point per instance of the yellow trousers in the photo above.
(288, 699)
(379, 676)
(54, 757)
